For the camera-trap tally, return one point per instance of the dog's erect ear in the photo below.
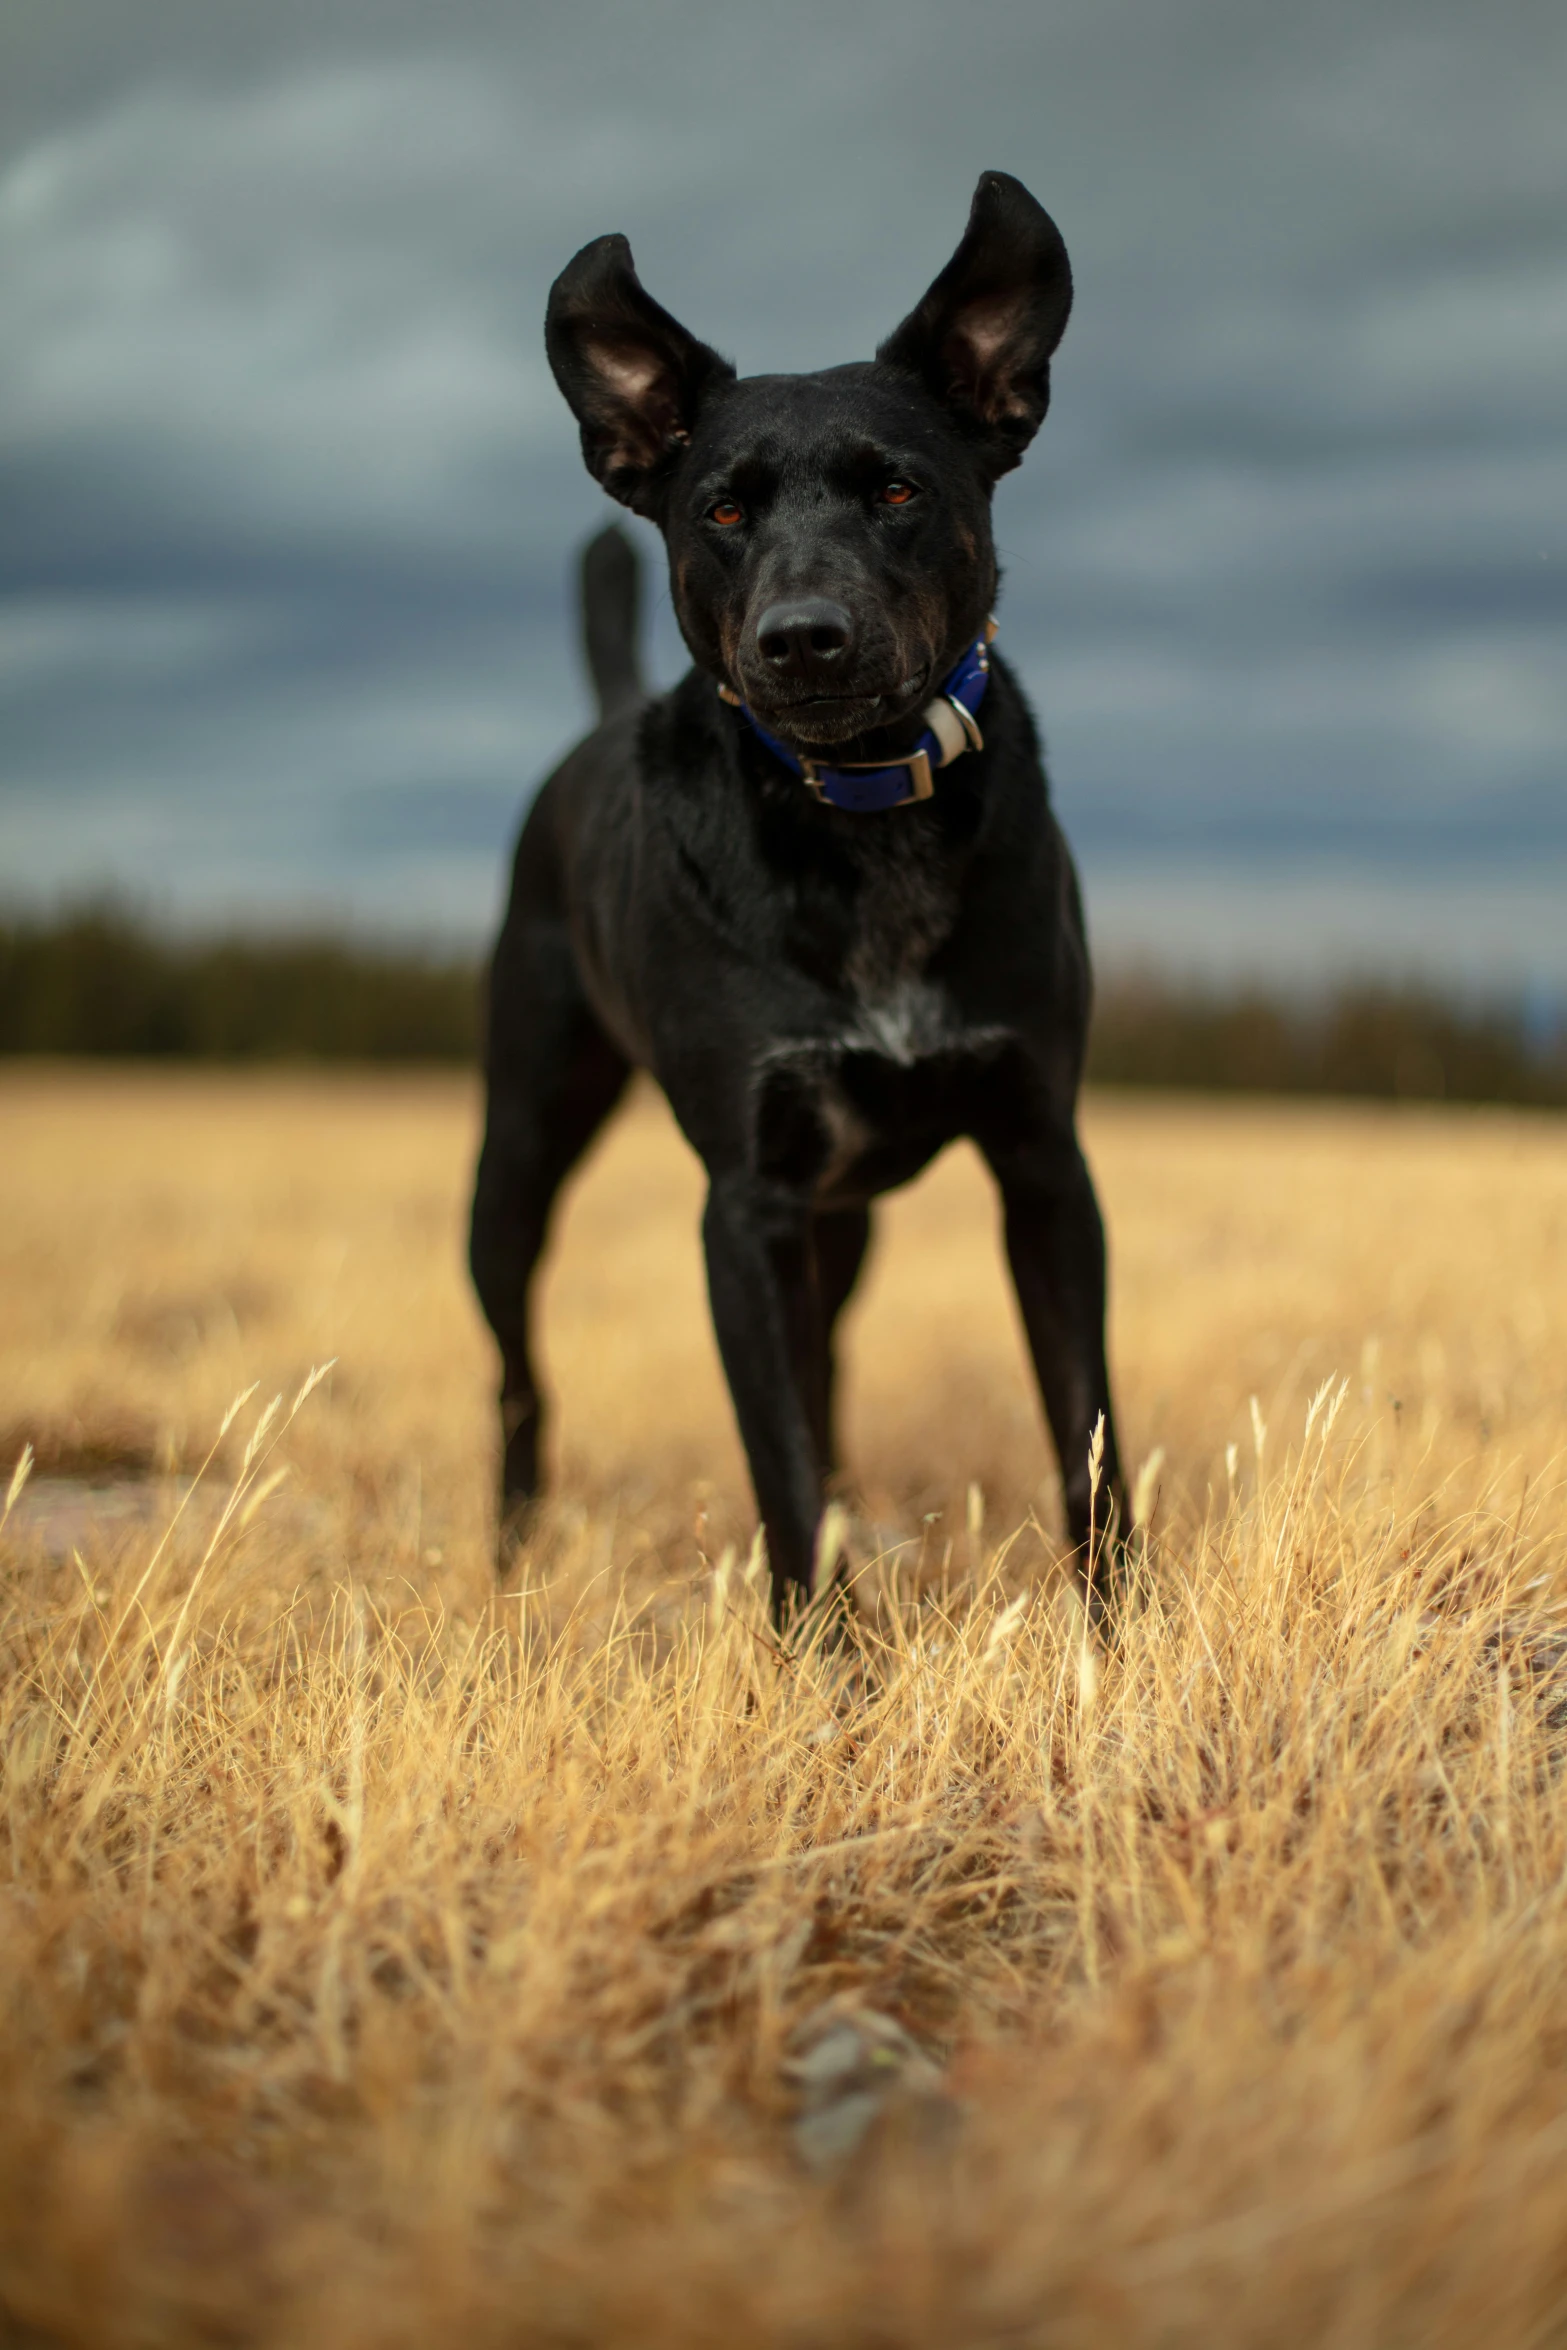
(632, 376)
(981, 339)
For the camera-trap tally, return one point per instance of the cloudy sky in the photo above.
(288, 500)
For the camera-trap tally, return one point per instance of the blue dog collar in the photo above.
(867, 787)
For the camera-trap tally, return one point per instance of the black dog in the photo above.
(817, 889)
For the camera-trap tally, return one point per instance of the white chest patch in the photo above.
(911, 1022)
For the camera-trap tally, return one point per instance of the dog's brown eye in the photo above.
(726, 514)
(897, 493)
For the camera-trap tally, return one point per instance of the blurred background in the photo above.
(291, 503)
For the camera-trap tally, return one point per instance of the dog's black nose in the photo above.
(806, 638)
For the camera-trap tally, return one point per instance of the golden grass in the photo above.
(387, 1962)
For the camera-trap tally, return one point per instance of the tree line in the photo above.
(99, 981)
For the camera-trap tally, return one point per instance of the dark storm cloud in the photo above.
(289, 495)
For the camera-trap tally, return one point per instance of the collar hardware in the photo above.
(824, 784)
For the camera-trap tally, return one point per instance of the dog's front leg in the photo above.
(761, 1281)
(1056, 1249)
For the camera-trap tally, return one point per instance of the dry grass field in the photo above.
(385, 1960)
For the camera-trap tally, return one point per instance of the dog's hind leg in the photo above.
(554, 1077)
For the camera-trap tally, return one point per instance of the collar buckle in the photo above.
(922, 784)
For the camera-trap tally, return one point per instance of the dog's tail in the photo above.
(611, 599)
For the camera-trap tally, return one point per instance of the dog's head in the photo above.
(829, 536)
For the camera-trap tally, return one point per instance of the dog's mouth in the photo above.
(817, 721)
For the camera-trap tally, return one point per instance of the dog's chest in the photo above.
(859, 1106)
(903, 910)
(889, 1071)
